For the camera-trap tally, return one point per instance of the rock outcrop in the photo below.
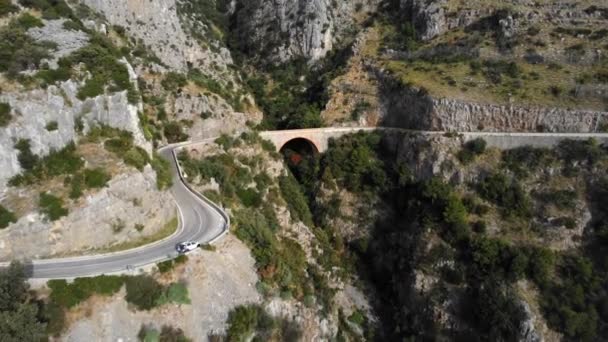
(32, 111)
(431, 18)
(105, 218)
(158, 25)
(209, 114)
(287, 29)
(67, 41)
(408, 107)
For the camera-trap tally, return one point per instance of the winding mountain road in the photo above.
(200, 220)
(203, 221)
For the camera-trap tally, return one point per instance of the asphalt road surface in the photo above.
(200, 220)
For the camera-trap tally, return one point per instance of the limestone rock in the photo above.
(407, 107)
(158, 25)
(210, 115)
(67, 41)
(129, 199)
(287, 29)
(33, 110)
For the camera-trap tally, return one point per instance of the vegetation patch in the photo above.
(95, 178)
(52, 126)
(51, 9)
(488, 266)
(23, 317)
(143, 291)
(57, 163)
(18, 51)
(252, 321)
(6, 217)
(166, 334)
(166, 266)
(51, 206)
(471, 150)
(5, 114)
(7, 7)
(71, 294)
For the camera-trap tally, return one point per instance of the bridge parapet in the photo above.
(319, 137)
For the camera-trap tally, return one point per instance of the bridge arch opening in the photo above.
(297, 149)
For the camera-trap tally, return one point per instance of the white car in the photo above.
(188, 246)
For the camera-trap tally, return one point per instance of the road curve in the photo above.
(199, 220)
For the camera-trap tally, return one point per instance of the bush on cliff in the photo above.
(51, 206)
(5, 114)
(6, 217)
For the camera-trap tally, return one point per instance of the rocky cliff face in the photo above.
(105, 218)
(158, 25)
(32, 111)
(287, 29)
(432, 18)
(409, 107)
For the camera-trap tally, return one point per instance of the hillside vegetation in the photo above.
(470, 260)
(524, 53)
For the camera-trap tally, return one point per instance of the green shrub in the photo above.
(6, 217)
(249, 197)
(162, 167)
(28, 21)
(7, 7)
(52, 76)
(508, 194)
(354, 162)
(174, 81)
(445, 204)
(63, 162)
(358, 318)
(244, 321)
(143, 292)
(101, 59)
(525, 160)
(589, 151)
(52, 126)
(121, 144)
(70, 295)
(226, 141)
(165, 266)
(296, 202)
(568, 305)
(76, 184)
(93, 87)
(498, 313)
(26, 158)
(19, 51)
(51, 206)
(137, 157)
(5, 114)
(471, 150)
(173, 132)
(21, 316)
(168, 265)
(563, 199)
(95, 178)
(51, 9)
(72, 25)
(54, 317)
(176, 293)
(148, 335)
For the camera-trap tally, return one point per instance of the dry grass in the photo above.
(546, 84)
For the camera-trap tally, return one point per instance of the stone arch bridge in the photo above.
(319, 138)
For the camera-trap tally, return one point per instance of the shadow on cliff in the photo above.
(403, 106)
